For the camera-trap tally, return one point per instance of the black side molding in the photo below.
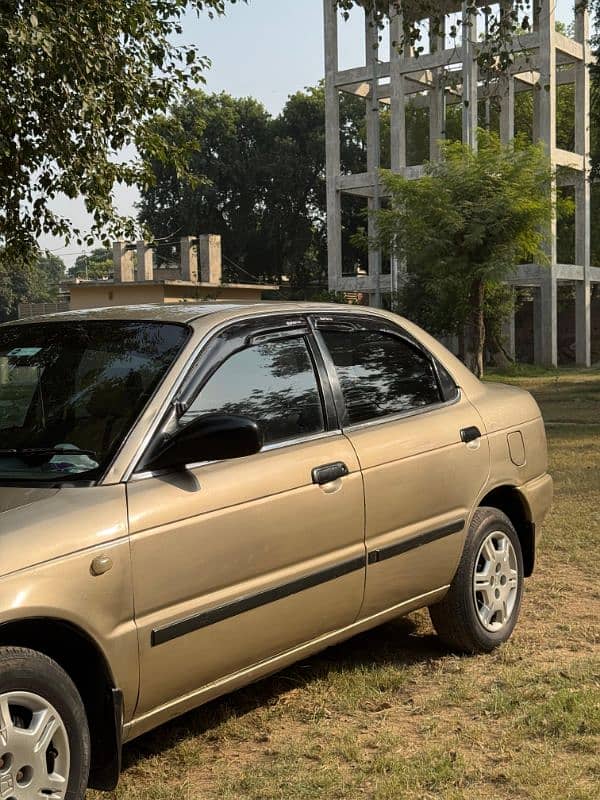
(421, 539)
(250, 602)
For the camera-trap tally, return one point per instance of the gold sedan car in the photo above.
(192, 497)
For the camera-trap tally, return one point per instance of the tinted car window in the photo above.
(273, 383)
(380, 374)
(70, 392)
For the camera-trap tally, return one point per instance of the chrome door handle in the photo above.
(470, 434)
(329, 473)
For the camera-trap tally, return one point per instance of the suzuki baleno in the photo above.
(192, 497)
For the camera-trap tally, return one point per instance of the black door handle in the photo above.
(329, 473)
(470, 434)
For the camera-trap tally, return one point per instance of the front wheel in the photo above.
(44, 736)
(482, 606)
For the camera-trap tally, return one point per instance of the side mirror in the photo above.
(212, 437)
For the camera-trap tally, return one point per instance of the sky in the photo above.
(267, 49)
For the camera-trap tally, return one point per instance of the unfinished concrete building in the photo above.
(445, 75)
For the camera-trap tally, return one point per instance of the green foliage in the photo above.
(51, 271)
(99, 264)
(464, 227)
(34, 278)
(79, 81)
(258, 181)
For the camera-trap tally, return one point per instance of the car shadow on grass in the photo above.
(399, 644)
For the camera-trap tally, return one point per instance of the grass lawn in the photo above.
(391, 715)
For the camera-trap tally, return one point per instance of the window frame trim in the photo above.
(367, 322)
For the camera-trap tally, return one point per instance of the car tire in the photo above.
(481, 608)
(36, 694)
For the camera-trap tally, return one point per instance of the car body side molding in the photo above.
(250, 602)
(196, 622)
(421, 539)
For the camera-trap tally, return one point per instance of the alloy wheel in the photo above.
(496, 581)
(34, 749)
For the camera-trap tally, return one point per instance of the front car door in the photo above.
(235, 562)
(406, 420)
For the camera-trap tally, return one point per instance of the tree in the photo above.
(256, 180)
(79, 82)
(34, 279)
(51, 271)
(464, 227)
(96, 266)
(225, 181)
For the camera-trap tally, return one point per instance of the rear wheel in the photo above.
(482, 606)
(44, 736)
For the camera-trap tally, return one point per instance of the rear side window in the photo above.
(273, 383)
(380, 374)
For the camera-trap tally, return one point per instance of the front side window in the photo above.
(380, 374)
(273, 383)
(71, 391)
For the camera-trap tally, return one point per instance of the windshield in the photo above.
(71, 391)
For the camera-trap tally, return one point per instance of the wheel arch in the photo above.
(511, 502)
(83, 660)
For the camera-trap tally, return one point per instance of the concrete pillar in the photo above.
(123, 262)
(397, 100)
(509, 333)
(437, 94)
(145, 262)
(583, 309)
(211, 263)
(332, 147)
(469, 72)
(373, 152)
(507, 109)
(189, 259)
(583, 199)
(545, 127)
(538, 323)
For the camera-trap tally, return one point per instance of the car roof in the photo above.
(185, 312)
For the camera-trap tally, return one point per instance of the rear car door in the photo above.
(237, 561)
(419, 444)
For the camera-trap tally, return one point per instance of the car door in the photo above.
(423, 462)
(237, 561)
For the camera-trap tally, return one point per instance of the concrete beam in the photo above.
(568, 47)
(565, 158)
(359, 74)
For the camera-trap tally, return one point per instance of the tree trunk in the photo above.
(461, 346)
(476, 328)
